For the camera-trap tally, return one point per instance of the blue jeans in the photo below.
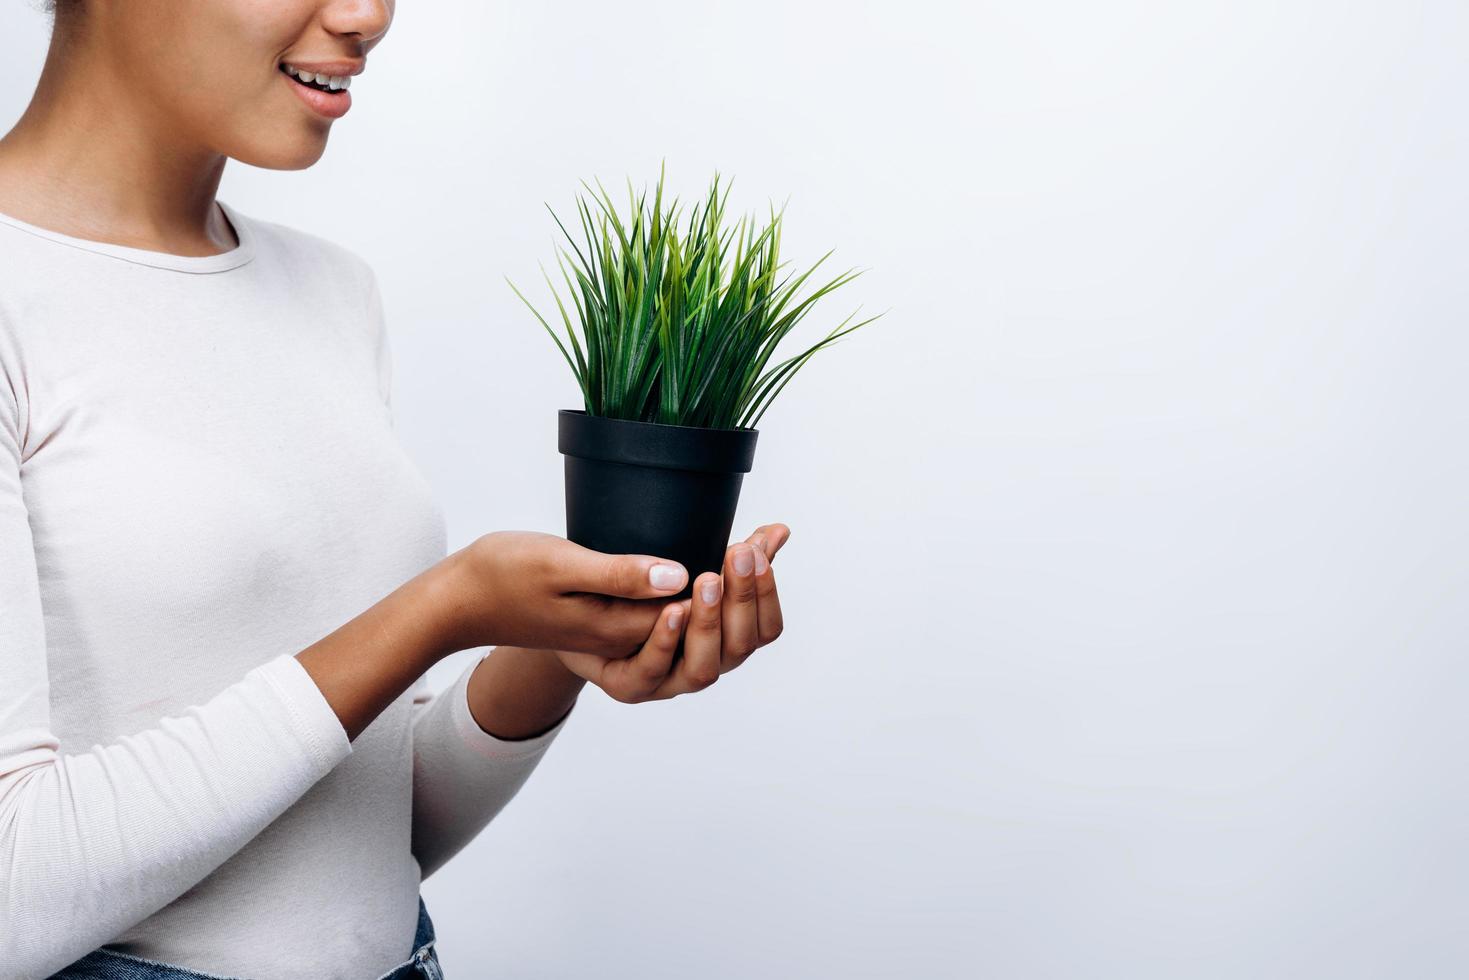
(103, 964)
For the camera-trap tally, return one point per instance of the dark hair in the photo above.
(60, 9)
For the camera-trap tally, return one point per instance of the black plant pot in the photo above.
(646, 488)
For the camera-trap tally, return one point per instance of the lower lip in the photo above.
(333, 105)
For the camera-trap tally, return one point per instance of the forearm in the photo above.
(464, 774)
(519, 693)
(92, 842)
(368, 662)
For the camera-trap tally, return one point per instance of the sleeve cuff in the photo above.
(312, 719)
(482, 742)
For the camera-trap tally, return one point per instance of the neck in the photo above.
(94, 158)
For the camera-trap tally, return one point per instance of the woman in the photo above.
(221, 579)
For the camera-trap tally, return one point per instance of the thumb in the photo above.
(627, 576)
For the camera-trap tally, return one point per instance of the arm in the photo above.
(94, 841)
(476, 744)
(516, 693)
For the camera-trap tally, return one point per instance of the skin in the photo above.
(729, 616)
(112, 148)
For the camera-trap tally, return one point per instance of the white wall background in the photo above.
(1127, 592)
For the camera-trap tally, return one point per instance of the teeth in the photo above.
(334, 82)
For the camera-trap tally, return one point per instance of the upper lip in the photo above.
(328, 67)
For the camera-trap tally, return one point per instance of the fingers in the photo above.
(637, 677)
(740, 625)
(627, 576)
(768, 618)
(700, 665)
(742, 614)
(771, 537)
(642, 676)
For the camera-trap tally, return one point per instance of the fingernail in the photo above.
(744, 562)
(710, 591)
(675, 617)
(666, 576)
(761, 562)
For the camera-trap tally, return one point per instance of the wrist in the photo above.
(362, 665)
(439, 595)
(516, 693)
(458, 611)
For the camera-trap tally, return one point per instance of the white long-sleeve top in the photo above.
(199, 477)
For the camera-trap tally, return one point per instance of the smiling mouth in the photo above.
(322, 83)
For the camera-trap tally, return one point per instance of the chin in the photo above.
(296, 154)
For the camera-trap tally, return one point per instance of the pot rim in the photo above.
(661, 425)
(659, 444)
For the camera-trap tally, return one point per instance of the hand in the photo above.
(528, 589)
(718, 637)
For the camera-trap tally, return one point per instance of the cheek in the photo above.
(210, 69)
(232, 47)
(240, 104)
(270, 26)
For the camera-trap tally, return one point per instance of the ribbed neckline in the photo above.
(224, 261)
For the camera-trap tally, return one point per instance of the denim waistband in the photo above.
(104, 964)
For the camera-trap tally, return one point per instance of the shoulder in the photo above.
(309, 257)
(318, 273)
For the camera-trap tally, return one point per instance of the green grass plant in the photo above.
(680, 327)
